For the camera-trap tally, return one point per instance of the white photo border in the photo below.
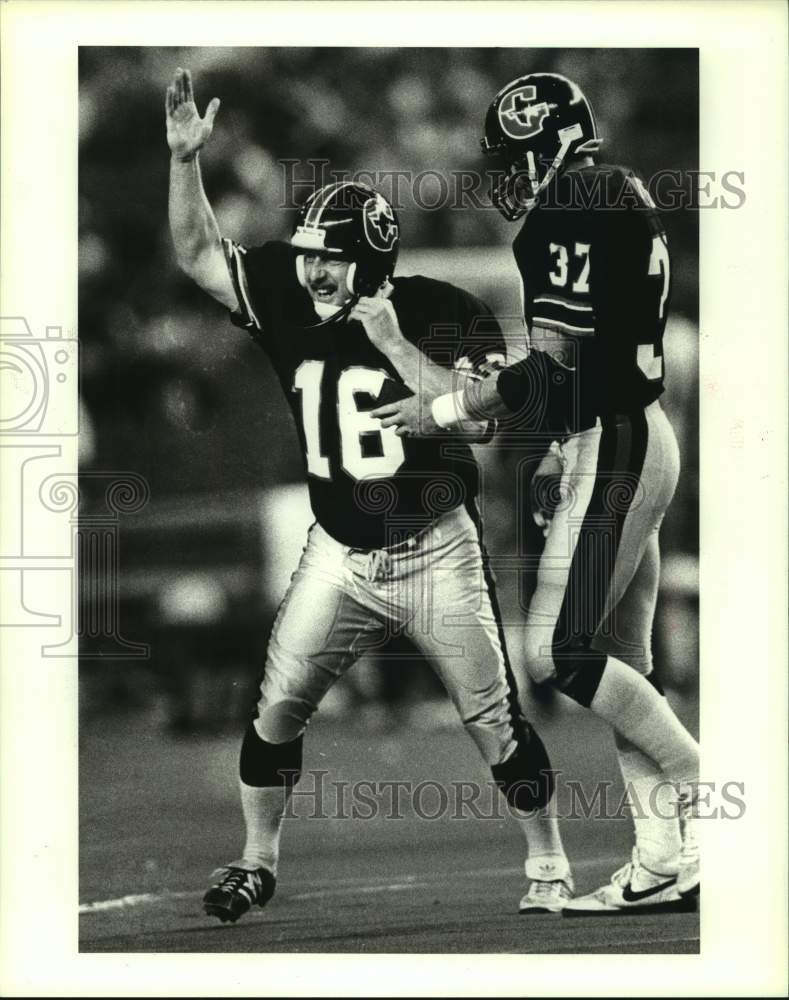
(743, 447)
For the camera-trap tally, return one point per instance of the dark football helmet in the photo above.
(355, 223)
(532, 126)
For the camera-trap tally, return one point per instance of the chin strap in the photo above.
(513, 206)
(325, 309)
(327, 313)
(567, 136)
(338, 315)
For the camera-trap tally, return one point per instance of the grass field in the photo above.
(157, 814)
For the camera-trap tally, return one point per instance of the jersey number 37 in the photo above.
(355, 425)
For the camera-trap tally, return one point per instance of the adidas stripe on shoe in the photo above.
(238, 887)
(551, 885)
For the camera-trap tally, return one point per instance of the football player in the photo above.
(594, 263)
(396, 542)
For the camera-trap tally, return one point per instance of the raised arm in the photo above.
(196, 236)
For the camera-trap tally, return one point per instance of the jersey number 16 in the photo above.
(354, 424)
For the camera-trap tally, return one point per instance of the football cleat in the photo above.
(238, 887)
(551, 885)
(688, 879)
(632, 889)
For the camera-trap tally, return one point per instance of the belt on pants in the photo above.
(380, 560)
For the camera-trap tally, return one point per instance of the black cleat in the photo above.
(237, 889)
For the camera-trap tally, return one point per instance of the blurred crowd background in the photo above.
(172, 392)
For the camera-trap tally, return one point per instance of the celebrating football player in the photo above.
(396, 541)
(594, 263)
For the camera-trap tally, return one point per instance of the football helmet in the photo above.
(531, 127)
(352, 222)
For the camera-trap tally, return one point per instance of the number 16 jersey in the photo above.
(368, 487)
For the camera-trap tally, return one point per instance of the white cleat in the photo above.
(632, 889)
(551, 885)
(688, 879)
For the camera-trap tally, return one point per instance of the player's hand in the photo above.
(411, 417)
(379, 320)
(187, 132)
(545, 490)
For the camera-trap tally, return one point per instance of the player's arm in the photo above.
(518, 394)
(410, 416)
(419, 373)
(427, 380)
(475, 400)
(198, 242)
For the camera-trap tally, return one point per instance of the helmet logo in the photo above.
(519, 116)
(380, 227)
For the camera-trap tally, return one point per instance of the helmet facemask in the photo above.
(527, 174)
(534, 125)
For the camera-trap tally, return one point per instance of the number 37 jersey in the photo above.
(594, 262)
(368, 487)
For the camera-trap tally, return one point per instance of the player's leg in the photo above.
(318, 634)
(627, 634)
(619, 480)
(639, 712)
(631, 608)
(649, 879)
(459, 630)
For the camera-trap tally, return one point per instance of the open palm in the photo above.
(186, 130)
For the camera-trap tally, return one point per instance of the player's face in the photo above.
(325, 277)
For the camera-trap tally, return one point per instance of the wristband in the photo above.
(449, 411)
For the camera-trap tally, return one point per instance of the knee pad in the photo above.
(579, 678)
(578, 670)
(269, 765)
(526, 779)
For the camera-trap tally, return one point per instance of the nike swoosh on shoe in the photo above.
(631, 895)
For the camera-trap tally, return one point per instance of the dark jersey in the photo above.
(368, 487)
(594, 262)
